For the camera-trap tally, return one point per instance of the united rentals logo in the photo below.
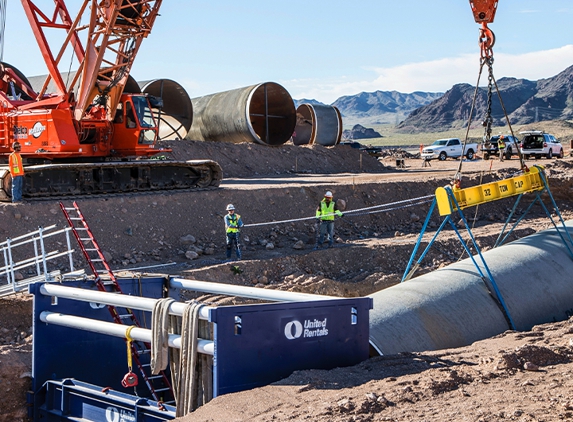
(37, 129)
(310, 329)
(293, 330)
(113, 414)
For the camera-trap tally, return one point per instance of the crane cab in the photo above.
(135, 126)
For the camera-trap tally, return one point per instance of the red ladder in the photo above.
(95, 258)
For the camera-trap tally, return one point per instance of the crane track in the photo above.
(83, 180)
(120, 194)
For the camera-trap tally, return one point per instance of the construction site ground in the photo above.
(182, 233)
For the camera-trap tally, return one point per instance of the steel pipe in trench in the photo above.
(262, 113)
(317, 124)
(451, 307)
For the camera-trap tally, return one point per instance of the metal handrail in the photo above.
(39, 259)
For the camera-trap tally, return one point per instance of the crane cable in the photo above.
(2, 27)
(486, 43)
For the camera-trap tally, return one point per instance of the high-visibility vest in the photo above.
(15, 163)
(232, 223)
(327, 208)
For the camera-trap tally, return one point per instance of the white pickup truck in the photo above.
(451, 147)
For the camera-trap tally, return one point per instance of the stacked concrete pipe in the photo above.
(18, 73)
(262, 113)
(176, 116)
(317, 124)
(37, 82)
(452, 307)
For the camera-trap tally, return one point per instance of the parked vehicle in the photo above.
(352, 144)
(372, 150)
(451, 147)
(537, 143)
(491, 148)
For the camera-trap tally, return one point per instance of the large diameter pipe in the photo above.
(452, 307)
(262, 113)
(114, 299)
(317, 124)
(118, 330)
(176, 115)
(242, 291)
(174, 118)
(17, 72)
(37, 82)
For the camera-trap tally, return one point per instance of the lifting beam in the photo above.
(476, 195)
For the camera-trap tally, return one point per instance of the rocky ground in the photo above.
(515, 376)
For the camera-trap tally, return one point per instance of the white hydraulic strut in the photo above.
(118, 330)
(242, 291)
(115, 299)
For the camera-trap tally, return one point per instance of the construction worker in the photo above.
(17, 172)
(233, 224)
(325, 215)
(501, 147)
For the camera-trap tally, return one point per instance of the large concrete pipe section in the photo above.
(176, 116)
(262, 113)
(317, 124)
(18, 74)
(37, 82)
(452, 307)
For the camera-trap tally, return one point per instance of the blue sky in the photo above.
(323, 49)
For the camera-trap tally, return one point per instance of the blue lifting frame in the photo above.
(454, 206)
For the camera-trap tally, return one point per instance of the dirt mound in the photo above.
(453, 385)
(252, 160)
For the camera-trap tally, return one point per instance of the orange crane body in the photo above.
(484, 10)
(89, 118)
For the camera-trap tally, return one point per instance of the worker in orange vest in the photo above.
(17, 172)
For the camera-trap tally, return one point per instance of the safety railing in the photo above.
(34, 246)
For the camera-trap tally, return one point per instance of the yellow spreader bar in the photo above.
(476, 195)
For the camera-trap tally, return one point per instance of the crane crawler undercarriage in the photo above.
(77, 179)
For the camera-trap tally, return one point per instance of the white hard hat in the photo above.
(328, 194)
(230, 207)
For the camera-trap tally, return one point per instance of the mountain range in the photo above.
(524, 101)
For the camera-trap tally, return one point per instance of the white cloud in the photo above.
(437, 75)
(535, 65)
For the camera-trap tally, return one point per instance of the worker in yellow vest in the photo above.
(233, 224)
(325, 214)
(17, 172)
(501, 147)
